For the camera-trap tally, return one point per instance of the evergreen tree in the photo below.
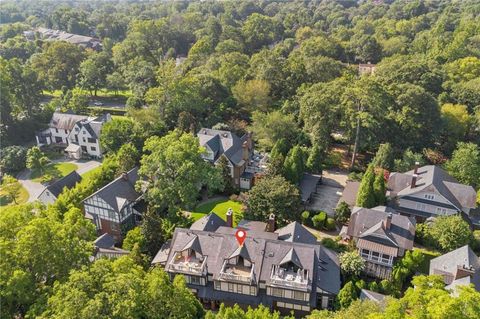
(226, 175)
(314, 161)
(379, 188)
(366, 193)
(384, 157)
(294, 165)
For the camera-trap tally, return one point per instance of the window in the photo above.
(375, 256)
(429, 196)
(195, 280)
(84, 140)
(217, 285)
(298, 295)
(230, 287)
(441, 211)
(239, 289)
(253, 291)
(365, 253)
(91, 140)
(93, 149)
(421, 207)
(56, 130)
(277, 292)
(66, 132)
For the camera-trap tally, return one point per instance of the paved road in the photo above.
(35, 189)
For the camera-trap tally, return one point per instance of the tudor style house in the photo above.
(283, 269)
(239, 152)
(429, 191)
(51, 192)
(381, 237)
(78, 134)
(116, 207)
(459, 267)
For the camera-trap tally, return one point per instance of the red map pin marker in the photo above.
(241, 235)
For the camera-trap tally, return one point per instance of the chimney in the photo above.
(388, 221)
(414, 181)
(250, 140)
(417, 165)
(271, 223)
(229, 217)
(245, 151)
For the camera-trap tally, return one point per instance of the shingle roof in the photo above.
(308, 185)
(371, 295)
(368, 224)
(295, 232)
(349, 193)
(209, 222)
(430, 175)
(68, 181)
(223, 142)
(449, 264)
(65, 121)
(120, 191)
(105, 241)
(292, 257)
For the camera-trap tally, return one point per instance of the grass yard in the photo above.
(5, 200)
(88, 174)
(429, 255)
(52, 171)
(219, 207)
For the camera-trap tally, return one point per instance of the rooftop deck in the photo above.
(237, 273)
(282, 277)
(189, 265)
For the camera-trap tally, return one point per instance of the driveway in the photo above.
(35, 189)
(328, 193)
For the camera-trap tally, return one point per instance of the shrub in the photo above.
(342, 213)
(305, 216)
(319, 220)
(330, 224)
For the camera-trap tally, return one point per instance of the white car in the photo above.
(97, 103)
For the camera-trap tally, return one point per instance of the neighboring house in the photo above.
(105, 247)
(244, 163)
(284, 269)
(458, 267)
(367, 68)
(308, 186)
(429, 191)
(57, 35)
(349, 193)
(51, 192)
(116, 207)
(372, 296)
(381, 237)
(79, 134)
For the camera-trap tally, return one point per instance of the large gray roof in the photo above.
(399, 184)
(368, 224)
(263, 249)
(295, 232)
(67, 181)
(223, 142)
(65, 121)
(449, 264)
(210, 222)
(119, 192)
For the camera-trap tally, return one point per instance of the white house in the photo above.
(79, 134)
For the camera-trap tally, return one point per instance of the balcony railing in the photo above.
(237, 273)
(190, 266)
(280, 276)
(377, 259)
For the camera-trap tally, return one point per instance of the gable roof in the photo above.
(368, 224)
(371, 295)
(210, 222)
(65, 121)
(68, 181)
(431, 175)
(194, 245)
(105, 241)
(296, 232)
(291, 256)
(120, 191)
(223, 143)
(449, 264)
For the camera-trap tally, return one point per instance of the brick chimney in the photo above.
(245, 151)
(250, 140)
(271, 223)
(387, 223)
(415, 170)
(229, 217)
(414, 181)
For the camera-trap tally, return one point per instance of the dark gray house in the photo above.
(283, 269)
(458, 268)
(52, 191)
(381, 237)
(105, 248)
(116, 207)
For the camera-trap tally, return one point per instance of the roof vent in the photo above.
(271, 254)
(225, 134)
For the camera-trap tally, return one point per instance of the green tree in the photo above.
(351, 263)
(294, 165)
(450, 232)
(465, 164)
(380, 188)
(366, 193)
(408, 160)
(94, 70)
(223, 165)
(36, 159)
(127, 157)
(174, 170)
(268, 128)
(258, 31)
(314, 161)
(236, 312)
(253, 95)
(384, 157)
(13, 159)
(342, 213)
(11, 186)
(58, 64)
(456, 124)
(273, 195)
(347, 295)
(115, 133)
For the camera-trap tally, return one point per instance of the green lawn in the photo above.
(5, 200)
(100, 93)
(219, 207)
(88, 174)
(429, 255)
(52, 171)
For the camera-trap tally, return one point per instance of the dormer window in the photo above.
(429, 196)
